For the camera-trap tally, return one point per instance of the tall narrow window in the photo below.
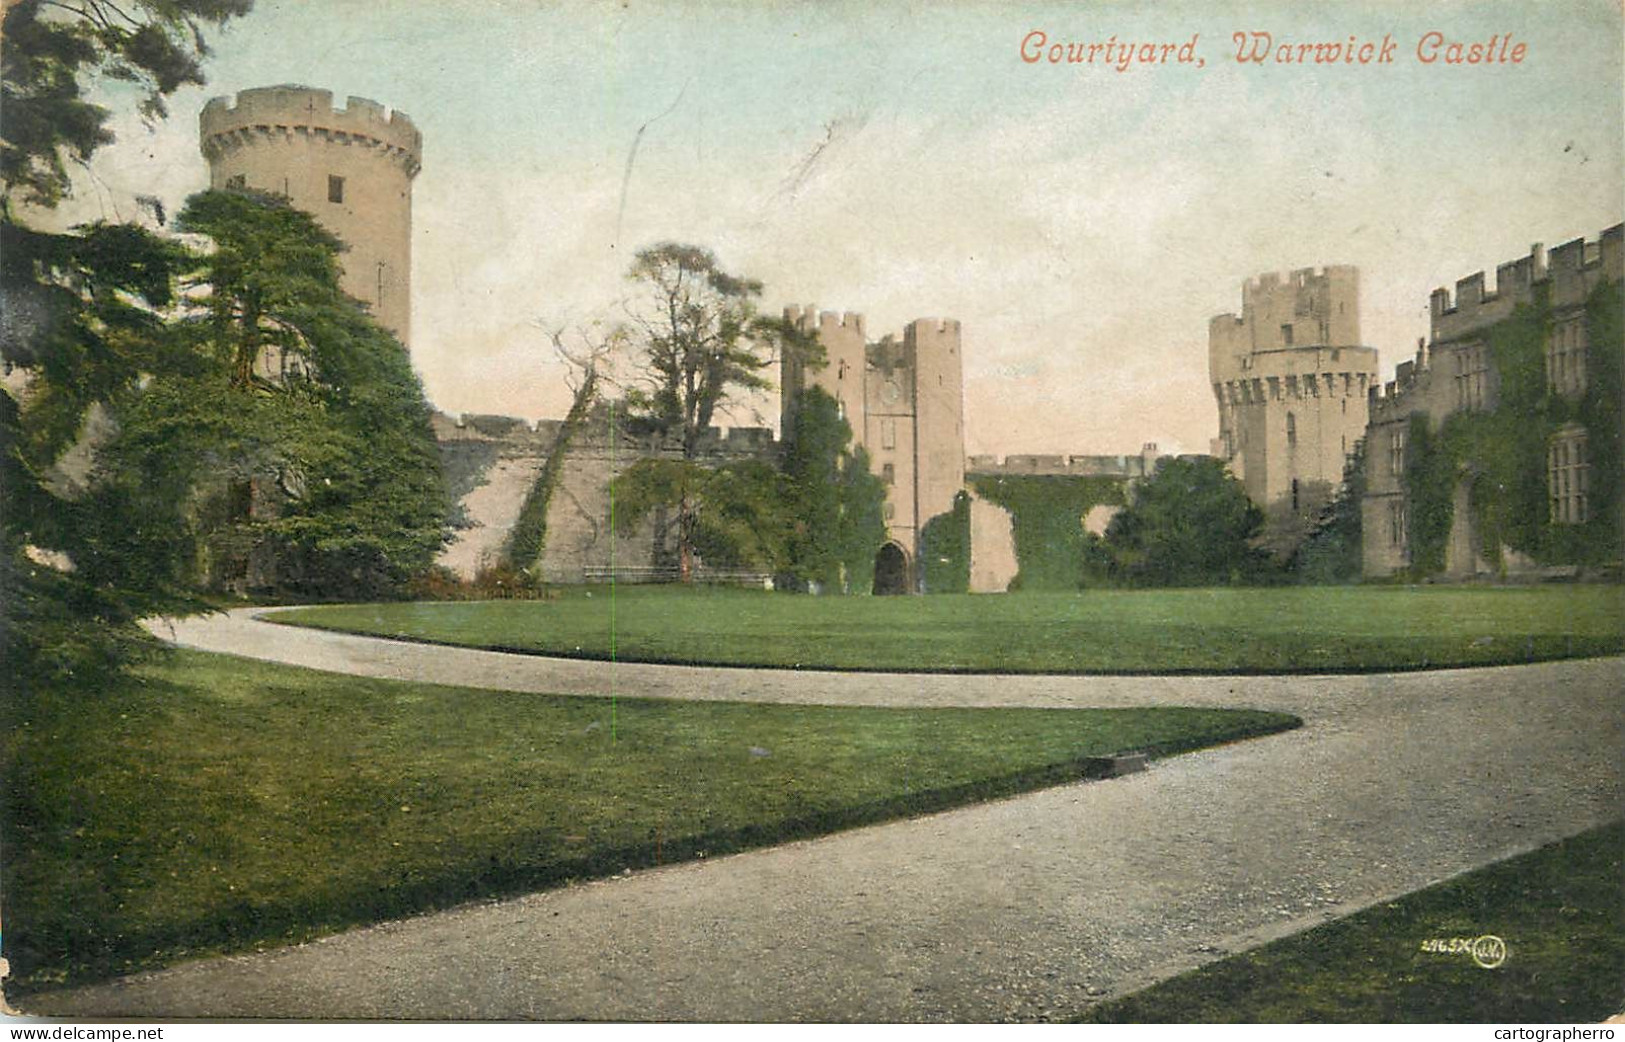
(888, 434)
(335, 188)
(888, 473)
(1291, 430)
(1286, 334)
(1566, 357)
(1568, 477)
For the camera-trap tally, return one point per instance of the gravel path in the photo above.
(1024, 909)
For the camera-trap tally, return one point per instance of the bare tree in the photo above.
(586, 353)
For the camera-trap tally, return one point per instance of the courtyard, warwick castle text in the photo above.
(1263, 47)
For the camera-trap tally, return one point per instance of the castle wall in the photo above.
(993, 547)
(291, 141)
(580, 545)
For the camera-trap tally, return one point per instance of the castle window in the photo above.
(1566, 358)
(237, 182)
(1472, 377)
(335, 188)
(1294, 494)
(1291, 430)
(1568, 474)
(1396, 523)
(1286, 333)
(1396, 452)
(888, 434)
(888, 473)
(891, 511)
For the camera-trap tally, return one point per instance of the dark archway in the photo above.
(891, 570)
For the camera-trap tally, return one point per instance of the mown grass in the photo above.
(1324, 629)
(1559, 911)
(206, 803)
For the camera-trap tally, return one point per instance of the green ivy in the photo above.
(1047, 513)
(945, 549)
(528, 539)
(1503, 451)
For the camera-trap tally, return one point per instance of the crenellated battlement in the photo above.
(514, 436)
(294, 110)
(806, 318)
(1057, 465)
(1569, 270)
(1296, 278)
(948, 326)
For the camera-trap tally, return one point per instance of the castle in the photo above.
(1295, 388)
(1291, 380)
(903, 397)
(353, 168)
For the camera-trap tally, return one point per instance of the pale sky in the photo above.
(901, 160)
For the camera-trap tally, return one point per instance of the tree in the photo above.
(297, 430)
(1189, 524)
(734, 515)
(1332, 551)
(837, 510)
(945, 548)
(863, 520)
(80, 315)
(157, 45)
(528, 539)
(700, 343)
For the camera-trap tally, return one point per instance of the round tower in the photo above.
(351, 168)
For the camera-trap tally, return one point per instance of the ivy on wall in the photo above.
(1429, 481)
(1503, 451)
(945, 549)
(528, 538)
(1047, 513)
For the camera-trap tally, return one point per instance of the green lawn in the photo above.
(1558, 910)
(1314, 629)
(207, 803)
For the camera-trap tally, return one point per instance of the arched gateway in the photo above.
(891, 570)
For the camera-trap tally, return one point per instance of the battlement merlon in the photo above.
(305, 109)
(803, 318)
(946, 326)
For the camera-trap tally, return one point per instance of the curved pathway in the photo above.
(1027, 908)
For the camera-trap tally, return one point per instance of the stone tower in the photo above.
(1291, 379)
(351, 168)
(904, 400)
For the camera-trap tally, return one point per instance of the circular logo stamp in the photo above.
(1489, 951)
